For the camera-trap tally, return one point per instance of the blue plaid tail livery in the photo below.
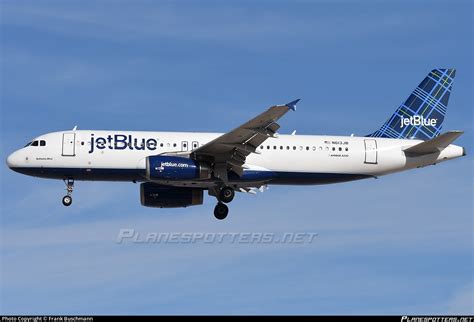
(421, 115)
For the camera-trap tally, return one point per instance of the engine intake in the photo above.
(175, 168)
(153, 195)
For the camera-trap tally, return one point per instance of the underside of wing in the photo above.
(229, 151)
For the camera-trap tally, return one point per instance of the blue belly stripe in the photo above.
(273, 177)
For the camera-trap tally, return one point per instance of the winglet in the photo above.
(292, 105)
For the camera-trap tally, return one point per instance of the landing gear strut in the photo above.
(224, 195)
(67, 199)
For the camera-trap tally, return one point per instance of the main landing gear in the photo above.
(67, 199)
(221, 211)
(224, 195)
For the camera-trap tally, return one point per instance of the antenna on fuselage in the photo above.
(294, 132)
(74, 128)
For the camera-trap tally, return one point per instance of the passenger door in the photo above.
(69, 144)
(370, 151)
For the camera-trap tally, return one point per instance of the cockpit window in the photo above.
(28, 144)
(35, 143)
(42, 143)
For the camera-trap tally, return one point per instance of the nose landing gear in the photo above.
(67, 199)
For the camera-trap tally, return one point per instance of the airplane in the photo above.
(175, 168)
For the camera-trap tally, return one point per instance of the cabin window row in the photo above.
(301, 148)
(168, 145)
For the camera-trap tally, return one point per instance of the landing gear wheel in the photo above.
(226, 194)
(67, 201)
(221, 211)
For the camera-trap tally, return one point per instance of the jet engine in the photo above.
(175, 168)
(154, 195)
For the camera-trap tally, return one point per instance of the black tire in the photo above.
(67, 201)
(221, 211)
(226, 194)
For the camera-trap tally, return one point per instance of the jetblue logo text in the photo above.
(122, 142)
(174, 165)
(417, 120)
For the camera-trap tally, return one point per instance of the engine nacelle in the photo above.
(175, 168)
(153, 195)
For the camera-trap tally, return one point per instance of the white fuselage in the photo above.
(286, 159)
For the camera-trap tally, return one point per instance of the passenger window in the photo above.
(347, 149)
(340, 149)
(174, 145)
(333, 148)
(307, 148)
(268, 147)
(35, 143)
(281, 147)
(274, 147)
(287, 147)
(42, 143)
(294, 147)
(161, 144)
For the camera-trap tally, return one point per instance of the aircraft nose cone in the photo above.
(12, 160)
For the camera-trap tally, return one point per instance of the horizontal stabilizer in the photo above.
(435, 145)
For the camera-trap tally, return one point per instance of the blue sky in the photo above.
(400, 244)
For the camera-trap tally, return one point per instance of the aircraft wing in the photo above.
(229, 151)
